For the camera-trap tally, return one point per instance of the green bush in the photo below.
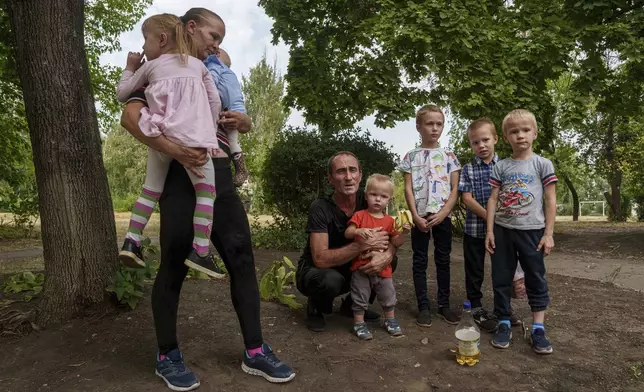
(129, 283)
(21, 201)
(24, 282)
(296, 172)
(288, 234)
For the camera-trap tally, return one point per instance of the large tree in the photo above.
(263, 89)
(77, 220)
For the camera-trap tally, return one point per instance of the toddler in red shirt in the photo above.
(378, 193)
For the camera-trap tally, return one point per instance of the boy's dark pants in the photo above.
(474, 252)
(442, 249)
(511, 243)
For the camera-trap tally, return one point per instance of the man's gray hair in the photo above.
(337, 154)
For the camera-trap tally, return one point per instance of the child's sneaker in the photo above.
(515, 321)
(502, 336)
(540, 343)
(448, 315)
(484, 321)
(205, 264)
(362, 331)
(131, 255)
(424, 319)
(241, 173)
(393, 327)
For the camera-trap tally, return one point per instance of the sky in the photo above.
(248, 37)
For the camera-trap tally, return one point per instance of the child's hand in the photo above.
(547, 243)
(406, 228)
(489, 243)
(437, 218)
(134, 61)
(421, 223)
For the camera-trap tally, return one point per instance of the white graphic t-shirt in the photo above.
(430, 170)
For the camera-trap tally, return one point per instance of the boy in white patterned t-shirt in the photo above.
(431, 182)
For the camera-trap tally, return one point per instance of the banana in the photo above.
(404, 217)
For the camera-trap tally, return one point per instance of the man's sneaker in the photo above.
(175, 373)
(267, 365)
(362, 331)
(424, 319)
(540, 343)
(314, 318)
(484, 321)
(393, 327)
(131, 255)
(502, 336)
(205, 264)
(448, 315)
(346, 311)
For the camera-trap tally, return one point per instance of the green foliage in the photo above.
(129, 283)
(282, 233)
(296, 170)
(125, 162)
(277, 277)
(24, 282)
(105, 20)
(263, 90)
(21, 200)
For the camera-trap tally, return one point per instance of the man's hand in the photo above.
(379, 260)
(375, 241)
(134, 61)
(437, 218)
(366, 233)
(233, 120)
(421, 223)
(489, 243)
(547, 243)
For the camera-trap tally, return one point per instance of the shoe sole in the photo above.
(487, 330)
(206, 271)
(315, 329)
(446, 320)
(130, 260)
(424, 325)
(256, 372)
(175, 388)
(496, 345)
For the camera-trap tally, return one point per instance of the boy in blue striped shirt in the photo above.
(475, 191)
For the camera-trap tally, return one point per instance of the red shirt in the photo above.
(364, 220)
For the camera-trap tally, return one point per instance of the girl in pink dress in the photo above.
(183, 105)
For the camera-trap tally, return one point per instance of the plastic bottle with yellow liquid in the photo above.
(469, 337)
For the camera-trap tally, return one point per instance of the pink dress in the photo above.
(183, 102)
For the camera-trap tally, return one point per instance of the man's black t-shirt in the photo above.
(326, 217)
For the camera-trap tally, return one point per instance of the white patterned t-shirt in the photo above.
(430, 170)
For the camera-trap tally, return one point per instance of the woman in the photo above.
(230, 234)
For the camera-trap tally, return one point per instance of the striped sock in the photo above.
(202, 220)
(536, 326)
(141, 214)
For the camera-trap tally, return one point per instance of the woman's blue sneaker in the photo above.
(175, 373)
(267, 365)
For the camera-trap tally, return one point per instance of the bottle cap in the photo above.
(467, 305)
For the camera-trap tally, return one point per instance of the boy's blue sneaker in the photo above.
(267, 365)
(540, 343)
(175, 373)
(502, 336)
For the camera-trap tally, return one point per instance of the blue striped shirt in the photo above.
(475, 179)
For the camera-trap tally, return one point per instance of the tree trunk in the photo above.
(614, 199)
(78, 230)
(575, 197)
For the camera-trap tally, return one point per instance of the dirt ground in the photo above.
(597, 330)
